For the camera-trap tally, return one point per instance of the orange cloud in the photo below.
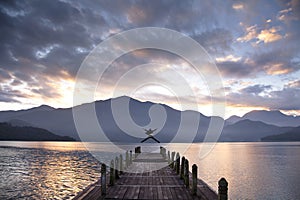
(277, 69)
(293, 84)
(238, 6)
(265, 35)
(269, 35)
(286, 15)
(231, 58)
(251, 33)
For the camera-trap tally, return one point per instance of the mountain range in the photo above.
(251, 127)
(292, 135)
(273, 117)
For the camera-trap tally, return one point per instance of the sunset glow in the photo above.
(254, 45)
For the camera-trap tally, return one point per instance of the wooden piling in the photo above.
(103, 179)
(126, 159)
(182, 167)
(112, 173)
(169, 158)
(117, 168)
(195, 179)
(186, 173)
(130, 158)
(137, 151)
(223, 189)
(177, 164)
(164, 151)
(172, 160)
(121, 164)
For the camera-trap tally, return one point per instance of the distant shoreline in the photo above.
(124, 143)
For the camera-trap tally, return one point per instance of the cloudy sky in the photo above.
(255, 45)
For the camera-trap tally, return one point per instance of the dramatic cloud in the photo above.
(216, 41)
(250, 33)
(269, 35)
(255, 89)
(263, 96)
(238, 69)
(43, 44)
(279, 61)
(264, 35)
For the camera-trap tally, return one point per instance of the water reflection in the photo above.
(45, 174)
(253, 170)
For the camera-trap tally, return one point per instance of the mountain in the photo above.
(11, 114)
(165, 118)
(133, 115)
(292, 135)
(9, 132)
(275, 117)
(247, 130)
(233, 119)
(18, 122)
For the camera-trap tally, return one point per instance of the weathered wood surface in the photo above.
(93, 191)
(149, 177)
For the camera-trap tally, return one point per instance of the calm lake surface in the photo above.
(59, 170)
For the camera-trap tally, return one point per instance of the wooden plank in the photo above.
(132, 193)
(160, 193)
(143, 193)
(155, 192)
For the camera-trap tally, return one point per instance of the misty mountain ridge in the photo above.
(250, 131)
(292, 135)
(60, 121)
(273, 117)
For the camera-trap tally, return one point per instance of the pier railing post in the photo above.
(126, 159)
(172, 160)
(137, 151)
(169, 158)
(182, 167)
(163, 151)
(177, 165)
(223, 189)
(121, 164)
(186, 173)
(195, 179)
(103, 179)
(112, 173)
(117, 168)
(130, 157)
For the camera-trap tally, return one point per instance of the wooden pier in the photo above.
(151, 176)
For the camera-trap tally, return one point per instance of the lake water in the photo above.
(59, 170)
